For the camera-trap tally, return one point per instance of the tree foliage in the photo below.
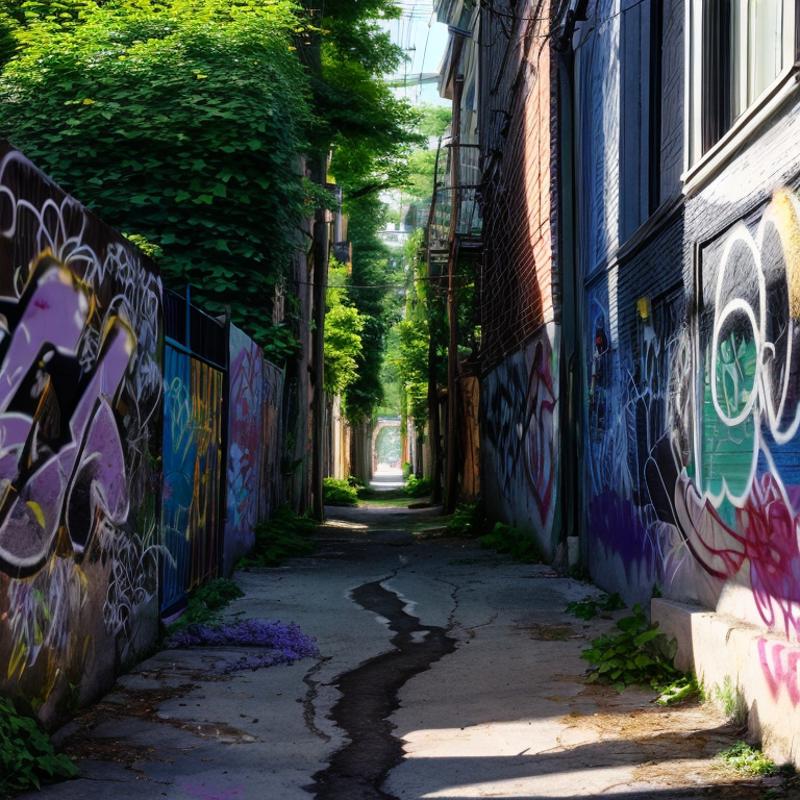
(181, 122)
(343, 328)
(414, 337)
(369, 280)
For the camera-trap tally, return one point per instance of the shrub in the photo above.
(286, 535)
(417, 487)
(339, 492)
(521, 546)
(27, 757)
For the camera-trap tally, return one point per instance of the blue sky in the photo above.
(424, 41)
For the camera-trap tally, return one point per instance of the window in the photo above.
(738, 50)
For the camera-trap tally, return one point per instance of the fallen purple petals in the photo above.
(285, 643)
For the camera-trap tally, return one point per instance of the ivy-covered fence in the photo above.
(112, 437)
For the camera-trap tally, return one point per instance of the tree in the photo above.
(343, 329)
(182, 122)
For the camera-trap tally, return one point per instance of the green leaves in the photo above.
(639, 654)
(343, 328)
(181, 122)
(27, 756)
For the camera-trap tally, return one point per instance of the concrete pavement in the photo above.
(445, 671)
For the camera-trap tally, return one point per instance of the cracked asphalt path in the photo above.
(445, 671)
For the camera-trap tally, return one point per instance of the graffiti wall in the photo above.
(80, 392)
(192, 516)
(519, 439)
(693, 468)
(254, 437)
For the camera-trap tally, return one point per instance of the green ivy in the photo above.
(27, 756)
(344, 325)
(181, 122)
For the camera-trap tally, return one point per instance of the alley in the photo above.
(445, 671)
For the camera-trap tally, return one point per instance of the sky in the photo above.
(424, 41)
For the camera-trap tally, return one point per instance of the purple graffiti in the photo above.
(61, 458)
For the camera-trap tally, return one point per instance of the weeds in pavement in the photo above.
(748, 760)
(521, 546)
(339, 492)
(732, 701)
(27, 756)
(286, 535)
(590, 607)
(639, 654)
(206, 602)
(467, 520)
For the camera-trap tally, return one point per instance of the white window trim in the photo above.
(701, 168)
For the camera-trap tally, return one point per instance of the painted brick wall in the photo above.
(519, 136)
(695, 494)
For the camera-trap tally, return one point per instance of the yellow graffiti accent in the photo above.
(16, 662)
(37, 512)
(788, 228)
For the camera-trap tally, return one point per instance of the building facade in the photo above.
(520, 319)
(684, 118)
(639, 295)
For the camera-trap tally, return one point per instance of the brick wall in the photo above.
(519, 308)
(518, 146)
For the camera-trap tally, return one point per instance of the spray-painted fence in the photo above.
(195, 367)
(80, 395)
(97, 380)
(254, 425)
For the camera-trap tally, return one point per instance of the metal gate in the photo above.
(195, 388)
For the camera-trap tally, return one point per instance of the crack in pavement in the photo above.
(369, 696)
(309, 710)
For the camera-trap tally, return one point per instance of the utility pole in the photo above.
(434, 431)
(321, 248)
(451, 485)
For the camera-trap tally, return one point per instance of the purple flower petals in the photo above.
(285, 643)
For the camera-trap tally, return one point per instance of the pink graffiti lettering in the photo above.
(780, 666)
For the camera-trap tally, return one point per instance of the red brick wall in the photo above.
(518, 137)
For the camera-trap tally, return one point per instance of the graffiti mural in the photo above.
(80, 386)
(191, 514)
(698, 448)
(245, 445)
(254, 445)
(518, 448)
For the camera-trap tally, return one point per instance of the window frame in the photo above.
(699, 162)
